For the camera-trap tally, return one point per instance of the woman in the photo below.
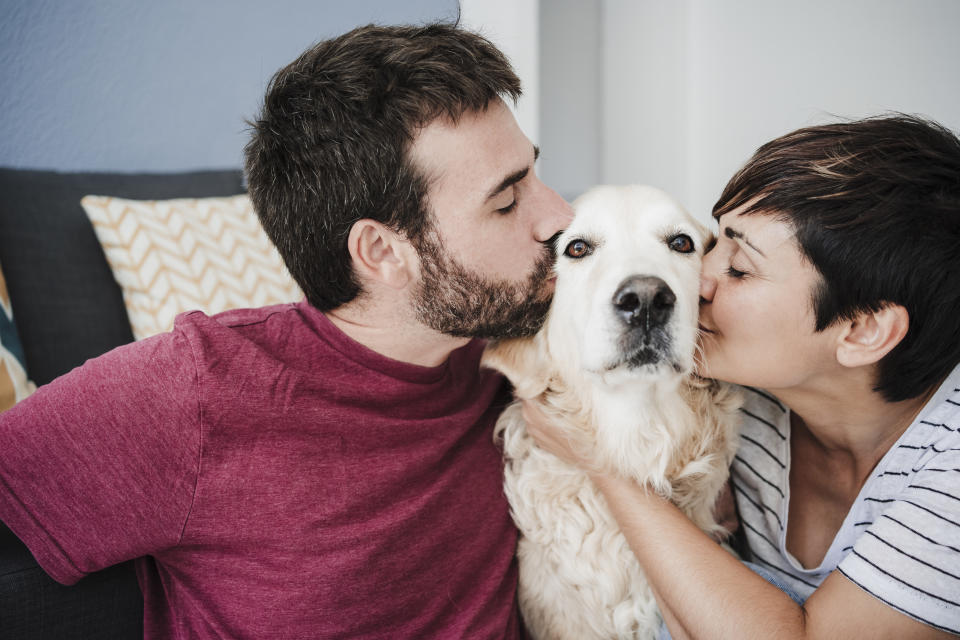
(833, 295)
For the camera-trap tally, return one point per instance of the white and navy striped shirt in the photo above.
(901, 539)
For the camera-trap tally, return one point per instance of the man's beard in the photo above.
(459, 302)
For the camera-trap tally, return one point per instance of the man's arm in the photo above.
(100, 465)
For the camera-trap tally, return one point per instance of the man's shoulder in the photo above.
(281, 333)
(263, 325)
(234, 319)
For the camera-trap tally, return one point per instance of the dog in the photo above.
(613, 366)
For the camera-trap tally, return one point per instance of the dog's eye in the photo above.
(681, 243)
(577, 249)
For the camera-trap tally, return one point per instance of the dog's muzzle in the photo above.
(644, 304)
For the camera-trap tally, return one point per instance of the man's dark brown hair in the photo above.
(331, 144)
(875, 205)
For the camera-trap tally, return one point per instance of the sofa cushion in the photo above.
(171, 256)
(14, 384)
(69, 308)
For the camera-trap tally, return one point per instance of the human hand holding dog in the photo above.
(553, 440)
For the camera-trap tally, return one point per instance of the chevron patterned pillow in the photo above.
(171, 256)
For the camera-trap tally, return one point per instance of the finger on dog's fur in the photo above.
(547, 436)
(725, 513)
(554, 432)
(533, 415)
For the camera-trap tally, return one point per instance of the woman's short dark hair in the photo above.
(330, 145)
(875, 205)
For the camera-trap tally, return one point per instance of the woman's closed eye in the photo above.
(735, 273)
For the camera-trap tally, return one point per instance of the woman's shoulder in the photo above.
(943, 409)
(935, 433)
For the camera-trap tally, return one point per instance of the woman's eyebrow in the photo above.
(733, 234)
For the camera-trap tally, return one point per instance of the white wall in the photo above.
(513, 25)
(690, 88)
(645, 108)
(571, 94)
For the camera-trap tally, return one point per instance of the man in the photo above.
(322, 469)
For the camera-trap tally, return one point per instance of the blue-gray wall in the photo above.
(141, 85)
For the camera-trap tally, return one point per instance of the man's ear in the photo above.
(381, 254)
(872, 335)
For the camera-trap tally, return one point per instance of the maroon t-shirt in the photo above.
(275, 479)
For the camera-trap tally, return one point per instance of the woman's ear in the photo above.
(872, 335)
(381, 254)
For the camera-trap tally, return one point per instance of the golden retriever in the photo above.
(613, 365)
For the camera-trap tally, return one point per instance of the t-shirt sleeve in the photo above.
(100, 465)
(910, 556)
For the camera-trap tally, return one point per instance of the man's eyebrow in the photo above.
(514, 177)
(733, 234)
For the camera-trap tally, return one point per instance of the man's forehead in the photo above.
(443, 129)
(433, 145)
(477, 152)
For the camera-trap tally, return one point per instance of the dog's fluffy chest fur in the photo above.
(578, 576)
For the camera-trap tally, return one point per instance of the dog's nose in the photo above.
(644, 301)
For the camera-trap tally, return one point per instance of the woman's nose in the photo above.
(707, 288)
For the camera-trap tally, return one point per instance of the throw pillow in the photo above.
(171, 256)
(14, 384)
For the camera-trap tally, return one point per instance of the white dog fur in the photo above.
(616, 374)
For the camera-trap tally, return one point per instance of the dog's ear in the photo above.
(522, 361)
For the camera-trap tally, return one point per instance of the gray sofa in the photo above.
(68, 309)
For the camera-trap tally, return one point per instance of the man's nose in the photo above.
(553, 213)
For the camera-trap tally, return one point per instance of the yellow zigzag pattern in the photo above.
(173, 256)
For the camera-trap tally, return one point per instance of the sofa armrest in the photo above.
(34, 606)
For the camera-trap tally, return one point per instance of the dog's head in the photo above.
(627, 292)
(628, 273)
